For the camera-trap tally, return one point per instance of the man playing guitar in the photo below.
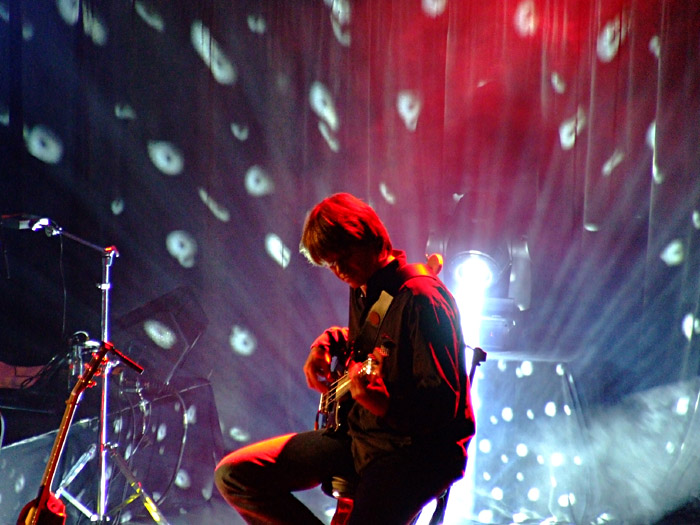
(409, 419)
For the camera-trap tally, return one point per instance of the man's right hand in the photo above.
(317, 369)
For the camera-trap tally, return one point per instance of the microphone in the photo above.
(27, 221)
(19, 221)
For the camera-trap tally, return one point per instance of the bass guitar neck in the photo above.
(330, 413)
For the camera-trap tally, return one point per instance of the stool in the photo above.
(342, 490)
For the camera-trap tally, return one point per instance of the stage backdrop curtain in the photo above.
(194, 136)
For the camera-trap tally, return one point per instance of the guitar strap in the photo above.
(366, 339)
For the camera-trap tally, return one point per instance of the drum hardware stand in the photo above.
(106, 449)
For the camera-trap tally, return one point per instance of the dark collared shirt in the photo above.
(424, 371)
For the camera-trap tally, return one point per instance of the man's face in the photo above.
(355, 267)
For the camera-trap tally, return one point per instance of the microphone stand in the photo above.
(106, 449)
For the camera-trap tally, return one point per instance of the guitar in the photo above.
(47, 509)
(331, 408)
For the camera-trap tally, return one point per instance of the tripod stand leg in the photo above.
(78, 505)
(148, 502)
(68, 479)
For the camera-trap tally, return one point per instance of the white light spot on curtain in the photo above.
(578, 461)
(409, 105)
(340, 18)
(525, 18)
(323, 105)
(687, 325)
(433, 8)
(570, 129)
(159, 333)
(183, 479)
(656, 174)
(275, 248)
(162, 432)
(696, 219)
(238, 434)
(124, 111)
(257, 182)
(486, 516)
(533, 494)
(507, 414)
(566, 499)
(240, 131)
(611, 38)
(655, 46)
(217, 210)
(191, 415)
(530, 414)
(19, 483)
(183, 247)
(222, 69)
(117, 206)
(682, 406)
(94, 27)
(497, 493)
(242, 341)
(558, 83)
(651, 136)
(166, 157)
(4, 115)
(550, 409)
(520, 476)
(257, 24)
(327, 134)
(386, 193)
(521, 450)
(674, 253)
(343, 37)
(615, 159)
(485, 446)
(560, 371)
(527, 368)
(27, 31)
(69, 10)
(149, 15)
(556, 459)
(44, 144)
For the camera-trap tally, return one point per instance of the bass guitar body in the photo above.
(52, 513)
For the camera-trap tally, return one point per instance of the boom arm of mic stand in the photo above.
(128, 361)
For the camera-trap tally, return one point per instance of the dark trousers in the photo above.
(258, 480)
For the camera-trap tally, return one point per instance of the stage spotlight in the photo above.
(488, 270)
(475, 270)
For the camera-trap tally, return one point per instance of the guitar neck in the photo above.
(341, 386)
